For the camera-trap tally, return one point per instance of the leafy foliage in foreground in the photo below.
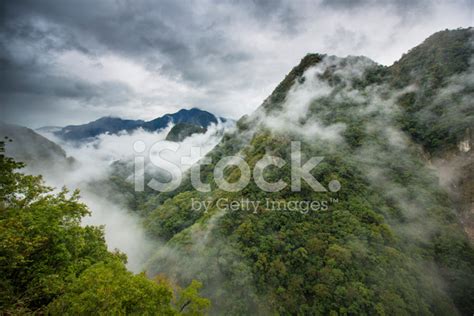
(49, 263)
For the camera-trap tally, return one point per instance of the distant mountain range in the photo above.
(42, 155)
(199, 118)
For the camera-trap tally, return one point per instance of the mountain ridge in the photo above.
(113, 124)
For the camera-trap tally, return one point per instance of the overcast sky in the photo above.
(68, 62)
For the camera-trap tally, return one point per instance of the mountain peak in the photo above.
(113, 124)
(441, 55)
(278, 95)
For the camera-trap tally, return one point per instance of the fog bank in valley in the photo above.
(94, 163)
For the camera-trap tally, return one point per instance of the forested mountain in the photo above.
(390, 239)
(114, 125)
(440, 114)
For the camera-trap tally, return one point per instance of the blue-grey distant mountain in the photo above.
(103, 125)
(113, 125)
(193, 116)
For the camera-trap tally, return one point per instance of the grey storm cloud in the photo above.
(35, 79)
(167, 32)
(224, 56)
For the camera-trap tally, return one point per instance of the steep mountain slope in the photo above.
(385, 239)
(439, 114)
(39, 153)
(114, 125)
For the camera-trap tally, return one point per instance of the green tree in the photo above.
(42, 244)
(107, 288)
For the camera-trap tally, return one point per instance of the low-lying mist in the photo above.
(94, 163)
